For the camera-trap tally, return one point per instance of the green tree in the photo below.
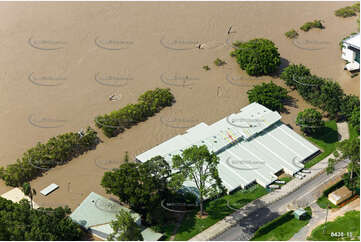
(309, 87)
(330, 98)
(125, 228)
(268, 94)
(294, 74)
(348, 104)
(348, 150)
(257, 56)
(142, 186)
(20, 222)
(355, 119)
(29, 191)
(200, 166)
(310, 120)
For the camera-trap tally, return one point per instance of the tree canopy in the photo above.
(149, 103)
(19, 222)
(125, 228)
(348, 150)
(295, 74)
(200, 166)
(331, 97)
(310, 120)
(142, 186)
(269, 95)
(257, 56)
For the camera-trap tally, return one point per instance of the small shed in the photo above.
(339, 195)
(300, 214)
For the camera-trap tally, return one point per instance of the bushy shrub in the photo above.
(333, 188)
(274, 224)
(345, 12)
(356, 7)
(291, 34)
(310, 121)
(294, 74)
(348, 11)
(149, 103)
(58, 150)
(206, 68)
(219, 62)
(257, 56)
(310, 25)
(269, 95)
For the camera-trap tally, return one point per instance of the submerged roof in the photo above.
(97, 210)
(252, 146)
(16, 195)
(353, 40)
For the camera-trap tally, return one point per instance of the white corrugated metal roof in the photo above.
(52, 187)
(252, 146)
(354, 40)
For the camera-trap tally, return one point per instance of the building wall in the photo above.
(347, 54)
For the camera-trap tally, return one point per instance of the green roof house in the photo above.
(95, 213)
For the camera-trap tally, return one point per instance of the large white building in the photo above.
(351, 52)
(253, 145)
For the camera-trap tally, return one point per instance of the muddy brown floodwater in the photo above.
(61, 61)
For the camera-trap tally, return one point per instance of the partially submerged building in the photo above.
(351, 52)
(16, 195)
(253, 146)
(95, 213)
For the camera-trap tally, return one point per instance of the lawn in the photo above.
(326, 139)
(353, 132)
(217, 209)
(287, 179)
(323, 200)
(345, 227)
(282, 228)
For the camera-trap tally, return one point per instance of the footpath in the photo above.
(319, 215)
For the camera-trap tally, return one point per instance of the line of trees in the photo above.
(18, 221)
(323, 93)
(149, 103)
(57, 151)
(348, 150)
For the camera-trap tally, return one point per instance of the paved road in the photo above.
(246, 228)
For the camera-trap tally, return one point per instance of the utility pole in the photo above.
(324, 227)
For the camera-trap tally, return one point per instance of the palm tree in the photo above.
(28, 191)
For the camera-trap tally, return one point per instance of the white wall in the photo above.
(347, 54)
